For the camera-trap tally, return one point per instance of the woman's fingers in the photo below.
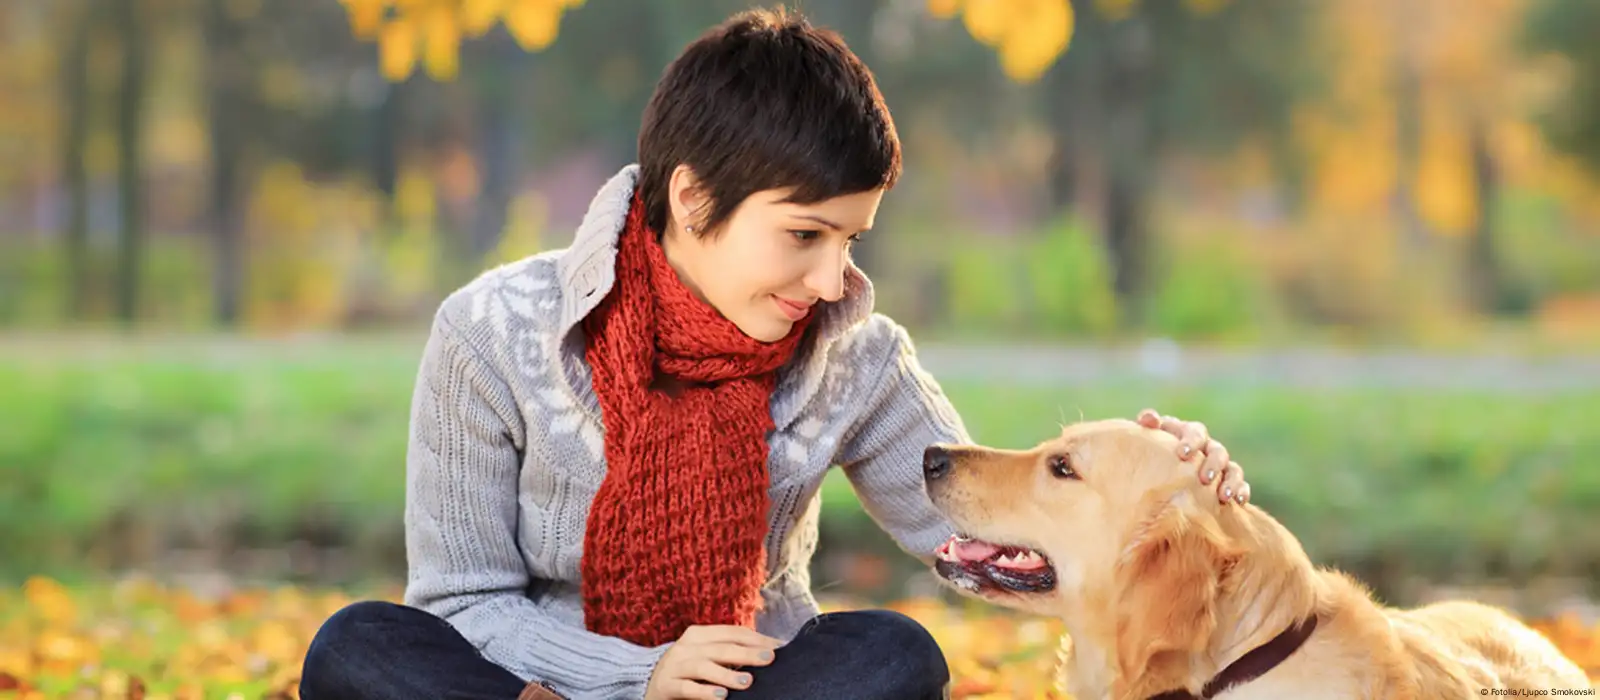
(1215, 465)
(712, 672)
(691, 690)
(730, 654)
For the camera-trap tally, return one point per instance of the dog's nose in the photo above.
(935, 462)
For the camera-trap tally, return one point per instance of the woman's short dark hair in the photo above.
(765, 101)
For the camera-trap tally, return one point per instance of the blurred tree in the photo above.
(1566, 28)
(431, 33)
(1434, 86)
(84, 20)
(1143, 80)
(131, 23)
(228, 82)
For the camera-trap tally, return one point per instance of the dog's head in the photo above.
(1103, 526)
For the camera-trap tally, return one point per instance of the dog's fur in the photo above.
(1161, 587)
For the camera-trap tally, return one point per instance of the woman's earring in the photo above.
(690, 229)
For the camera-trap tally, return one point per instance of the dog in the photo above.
(1164, 593)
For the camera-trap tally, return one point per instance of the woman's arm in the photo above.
(904, 414)
(461, 520)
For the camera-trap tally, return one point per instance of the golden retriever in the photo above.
(1161, 588)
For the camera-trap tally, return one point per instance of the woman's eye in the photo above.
(805, 235)
(1061, 467)
(855, 238)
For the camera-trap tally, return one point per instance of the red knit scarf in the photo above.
(675, 534)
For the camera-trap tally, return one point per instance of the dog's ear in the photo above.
(1167, 583)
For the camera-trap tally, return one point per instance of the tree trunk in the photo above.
(1408, 130)
(498, 145)
(74, 173)
(130, 160)
(388, 123)
(1483, 264)
(1129, 150)
(227, 78)
(1069, 105)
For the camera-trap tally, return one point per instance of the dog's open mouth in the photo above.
(978, 565)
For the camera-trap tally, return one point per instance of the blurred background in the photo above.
(1359, 239)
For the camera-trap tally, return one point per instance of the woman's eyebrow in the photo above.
(818, 219)
(824, 222)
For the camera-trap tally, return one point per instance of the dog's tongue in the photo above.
(973, 550)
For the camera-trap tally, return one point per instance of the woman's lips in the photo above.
(792, 310)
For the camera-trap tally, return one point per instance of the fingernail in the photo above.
(1187, 449)
(1240, 498)
(1227, 492)
(720, 692)
(1210, 474)
(766, 656)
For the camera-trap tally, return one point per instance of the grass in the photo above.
(113, 454)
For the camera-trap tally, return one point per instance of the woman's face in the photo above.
(771, 261)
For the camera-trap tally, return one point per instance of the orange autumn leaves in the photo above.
(137, 639)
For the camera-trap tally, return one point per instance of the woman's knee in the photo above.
(906, 649)
(347, 645)
(353, 628)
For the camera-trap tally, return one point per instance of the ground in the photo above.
(138, 639)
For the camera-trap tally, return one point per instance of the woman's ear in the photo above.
(1167, 584)
(687, 200)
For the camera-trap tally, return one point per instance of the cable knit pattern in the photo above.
(507, 453)
(681, 514)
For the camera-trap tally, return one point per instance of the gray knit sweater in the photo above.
(506, 451)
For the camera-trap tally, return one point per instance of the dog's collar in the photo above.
(1252, 665)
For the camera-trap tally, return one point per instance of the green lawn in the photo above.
(108, 450)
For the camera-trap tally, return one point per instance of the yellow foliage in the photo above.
(533, 23)
(1445, 191)
(430, 31)
(1028, 34)
(988, 20)
(397, 48)
(944, 9)
(478, 16)
(442, 52)
(366, 17)
(1037, 37)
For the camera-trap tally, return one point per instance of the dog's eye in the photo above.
(1062, 468)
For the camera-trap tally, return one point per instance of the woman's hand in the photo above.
(702, 663)
(1214, 463)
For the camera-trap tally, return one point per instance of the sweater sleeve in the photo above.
(906, 412)
(462, 472)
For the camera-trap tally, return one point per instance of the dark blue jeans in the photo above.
(376, 650)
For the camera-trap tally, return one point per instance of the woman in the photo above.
(616, 448)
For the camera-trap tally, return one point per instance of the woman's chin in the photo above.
(765, 329)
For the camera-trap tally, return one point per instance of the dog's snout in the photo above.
(935, 462)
